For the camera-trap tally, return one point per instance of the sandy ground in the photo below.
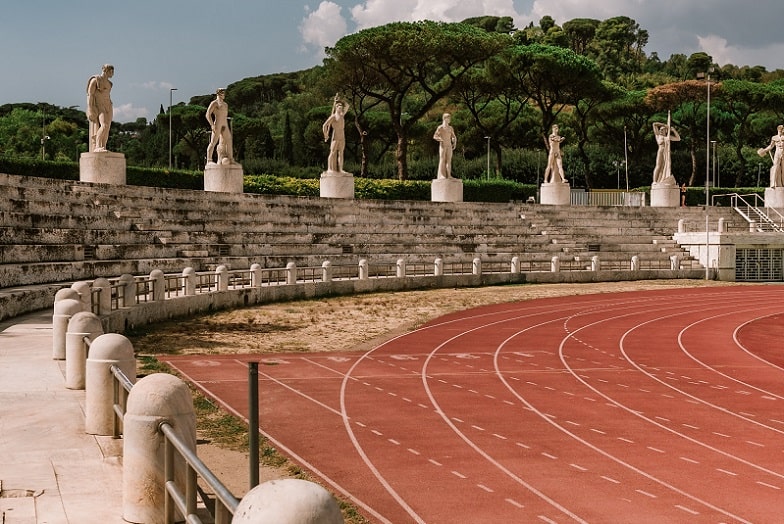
(337, 324)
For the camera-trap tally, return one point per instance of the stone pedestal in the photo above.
(555, 194)
(446, 190)
(336, 184)
(665, 195)
(103, 168)
(774, 197)
(223, 178)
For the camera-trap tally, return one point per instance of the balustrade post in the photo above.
(190, 279)
(107, 350)
(476, 267)
(363, 269)
(104, 297)
(128, 290)
(66, 305)
(400, 268)
(596, 263)
(85, 294)
(515, 265)
(153, 400)
(635, 264)
(222, 275)
(675, 262)
(291, 273)
(158, 285)
(555, 265)
(682, 225)
(326, 271)
(82, 324)
(438, 269)
(255, 275)
(721, 227)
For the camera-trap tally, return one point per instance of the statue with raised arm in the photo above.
(447, 140)
(554, 172)
(777, 169)
(336, 122)
(218, 117)
(99, 108)
(664, 133)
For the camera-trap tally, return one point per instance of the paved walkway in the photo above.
(51, 471)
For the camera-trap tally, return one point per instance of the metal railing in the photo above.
(181, 498)
(753, 210)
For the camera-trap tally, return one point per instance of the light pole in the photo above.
(759, 168)
(488, 157)
(171, 90)
(706, 75)
(713, 165)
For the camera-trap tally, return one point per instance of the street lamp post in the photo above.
(759, 168)
(488, 157)
(171, 90)
(713, 164)
(706, 75)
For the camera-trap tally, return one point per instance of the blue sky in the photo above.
(50, 48)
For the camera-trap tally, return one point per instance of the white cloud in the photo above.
(723, 53)
(129, 113)
(324, 26)
(373, 13)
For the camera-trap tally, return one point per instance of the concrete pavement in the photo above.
(51, 471)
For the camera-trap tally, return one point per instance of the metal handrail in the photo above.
(185, 499)
(752, 212)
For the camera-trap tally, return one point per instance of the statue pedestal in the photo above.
(665, 195)
(223, 178)
(446, 190)
(555, 194)
(103, 168)
(335, 184)
(774, 197)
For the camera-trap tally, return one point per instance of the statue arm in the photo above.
(674, 136)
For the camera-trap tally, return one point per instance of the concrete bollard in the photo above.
(596, 263)
(222, 276)
(291, 273)
(635, 265)
(85, 294)
(438, 267)
(189, 276)
(106, 350)
(128, 290)
(476, 266)
(82, 324)
(288, 501)
(364, 269)
(721, 227)
(154, 399)
(255, 275)
(64, 309)
(104, 297)
(400, 268)
(515, 265)
(675, 262)
(682, 225)
(158, 285)
(555, 265)
(326, 271)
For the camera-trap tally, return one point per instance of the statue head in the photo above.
(446, 118)
(108, 70)
(221, 92)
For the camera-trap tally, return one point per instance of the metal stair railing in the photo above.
(762, 218)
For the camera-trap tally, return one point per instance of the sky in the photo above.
(52, 47)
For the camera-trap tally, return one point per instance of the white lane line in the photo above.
(514, 503)
(579, 468)
(687, 459)
(690, 426)
(360, 424)
(755, 444)
(610, 479)
(731, 473)
(393, 441)
(496, 435)
(771, 486)
(599, 431)
(641, 492)
(413, 451)
(458, 474)
(628, 441)
(485, 488)
(721, 435)
(523, 445)
(434, 462)
(376, 432)
(478, 428)
(553, 457)
(687, 510)
(657, 450)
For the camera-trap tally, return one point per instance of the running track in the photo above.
(660, 406)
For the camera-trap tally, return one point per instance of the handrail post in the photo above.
(253, 422)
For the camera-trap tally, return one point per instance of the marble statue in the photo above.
(447, 140)
(554, 172)
(218, 117)
(337, 122)
(777, 169)
(664, 133)
(99, 108)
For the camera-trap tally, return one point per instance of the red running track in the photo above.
(660, 406)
